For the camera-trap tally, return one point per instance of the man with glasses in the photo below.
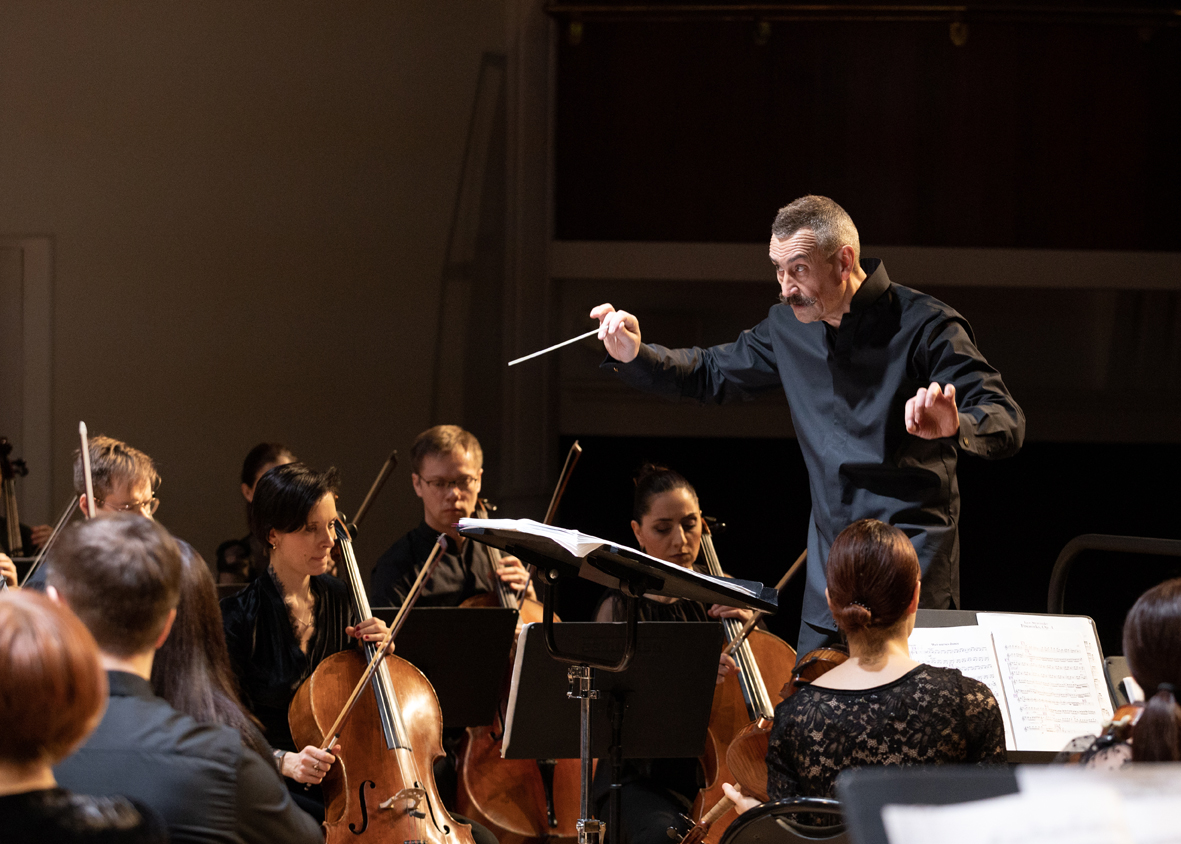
(447, 465)
(124, 479)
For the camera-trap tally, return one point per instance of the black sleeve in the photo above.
(992, 425)
(782, 781)
(266, 812)
(986, 729)
(729, 372)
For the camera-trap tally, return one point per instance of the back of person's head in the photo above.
(872, 571)
(829, 222)
(114, 464)
(261, 456)
(1152, 646)
(192, 668)
(444, 439)
(121, 576)
(285, 495)
(652, 481)
(53, 689)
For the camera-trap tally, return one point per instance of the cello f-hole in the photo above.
(364, 809)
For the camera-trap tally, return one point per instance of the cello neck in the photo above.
(387, 701)
(750, 678)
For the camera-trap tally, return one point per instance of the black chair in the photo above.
(777, 823)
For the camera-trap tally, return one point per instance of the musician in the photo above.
(1152, 646)
(886, 389)
(666, 521)
(447, 467)
(880, 707)
(280, 627)
(8, 571)
(192, 668)
(121, 576)
(124, 479)
(240, 560)
(50, 656)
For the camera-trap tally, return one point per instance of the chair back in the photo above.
(778, 822)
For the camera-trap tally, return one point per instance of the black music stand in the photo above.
(463, 652)
(634, 574)
(669, 682)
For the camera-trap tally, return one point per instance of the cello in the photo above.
(10, 470)
(382, 788)
(741, 703)
(520, 800)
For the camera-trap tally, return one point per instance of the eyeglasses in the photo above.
(151, 505)
(446, 484)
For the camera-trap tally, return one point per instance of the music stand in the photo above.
(669, 682)
(463, 652)
(634, 574)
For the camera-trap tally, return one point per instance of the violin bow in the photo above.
(754, 619)
(86, 469)
(57, 529)
(428, 567)
(383, 475)
(563, 479)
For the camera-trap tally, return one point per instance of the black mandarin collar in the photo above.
(875, 284)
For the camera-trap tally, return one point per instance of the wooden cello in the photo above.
(382, 788)
(520, 800)
(741, 702)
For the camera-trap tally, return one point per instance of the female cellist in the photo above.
(666, 521)
(282, 626)
(880, 707)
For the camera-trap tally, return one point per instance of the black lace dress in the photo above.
(929, 716)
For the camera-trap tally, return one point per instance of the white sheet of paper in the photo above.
(1086, 816)
(1151, 794)
(968, 648)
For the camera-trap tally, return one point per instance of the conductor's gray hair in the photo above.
(828, 221)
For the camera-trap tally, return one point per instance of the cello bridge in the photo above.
(412, 797)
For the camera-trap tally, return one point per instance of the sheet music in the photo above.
(969, 649)
(1092, 815)
(1050, 685)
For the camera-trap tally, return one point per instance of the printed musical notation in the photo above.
(1045, 672)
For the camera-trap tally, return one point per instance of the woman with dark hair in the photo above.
(54, 693)
(240, 560)
(283, 625)
(880, 707)
(192, 668)
(667, 523)
(1152, 646)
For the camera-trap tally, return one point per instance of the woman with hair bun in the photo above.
(1152, 646)
(880, 707)
(54, 692)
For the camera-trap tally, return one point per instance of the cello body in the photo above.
(368, 775)
(733, 735)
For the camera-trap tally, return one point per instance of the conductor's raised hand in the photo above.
(932, 413)
(619, 331)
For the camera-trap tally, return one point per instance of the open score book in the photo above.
(1045, 671)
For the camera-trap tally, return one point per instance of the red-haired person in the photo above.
(880, 707)
(1152, 646)
(53, 694)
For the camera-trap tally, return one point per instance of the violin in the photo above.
(742, 712)
(519, 800)
(382, 788)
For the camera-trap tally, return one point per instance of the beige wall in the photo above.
(249, 205)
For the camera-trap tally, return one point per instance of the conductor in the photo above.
(886, 389)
